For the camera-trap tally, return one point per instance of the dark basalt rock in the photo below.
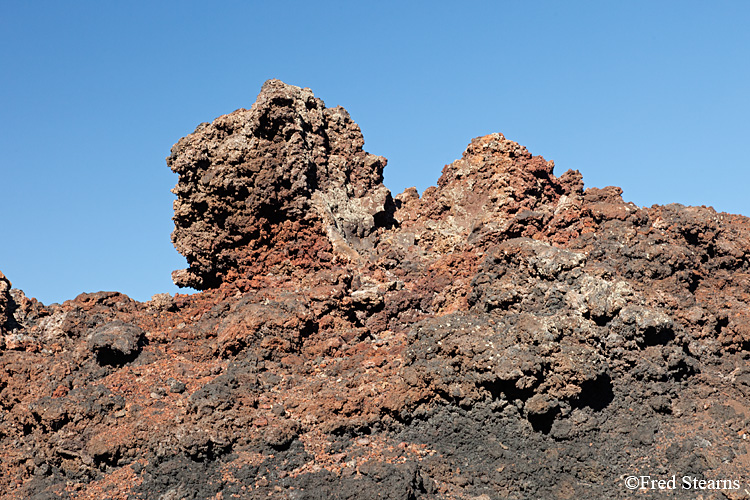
(5, 303)
(508, 334)
(116, 343)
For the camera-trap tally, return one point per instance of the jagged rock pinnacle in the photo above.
(4, 302)
(286, 180)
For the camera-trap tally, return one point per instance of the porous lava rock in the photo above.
(507, 334)
(285, 181)
(116, 342)
(5, 301)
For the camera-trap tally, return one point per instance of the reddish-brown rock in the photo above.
(508, 334)
(285, 182)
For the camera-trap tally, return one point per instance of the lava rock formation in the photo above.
(508, 334)
(280, 183)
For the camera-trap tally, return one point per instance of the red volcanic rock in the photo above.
(508, 334)
(285, 181)
(496, 188)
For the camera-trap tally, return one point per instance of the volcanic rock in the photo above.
(5, 300)
(284, 181)
(508, 334)
(115, 343)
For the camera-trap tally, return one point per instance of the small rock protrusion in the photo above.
(281, 435)
(116, 343)
(5, 300)
(162, 302)
(176, 386)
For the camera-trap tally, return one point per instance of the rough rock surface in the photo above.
(508, 334)
(284, 182)
(115, 343)
(5, 301)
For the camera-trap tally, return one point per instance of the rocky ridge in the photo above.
(508, 334)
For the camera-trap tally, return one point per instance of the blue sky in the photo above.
(652, 96)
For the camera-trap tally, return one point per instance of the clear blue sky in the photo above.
(652, 96)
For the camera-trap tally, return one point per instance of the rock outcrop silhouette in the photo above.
(507, 334)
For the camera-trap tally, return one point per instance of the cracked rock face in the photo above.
(254, 179)
(508, 334)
